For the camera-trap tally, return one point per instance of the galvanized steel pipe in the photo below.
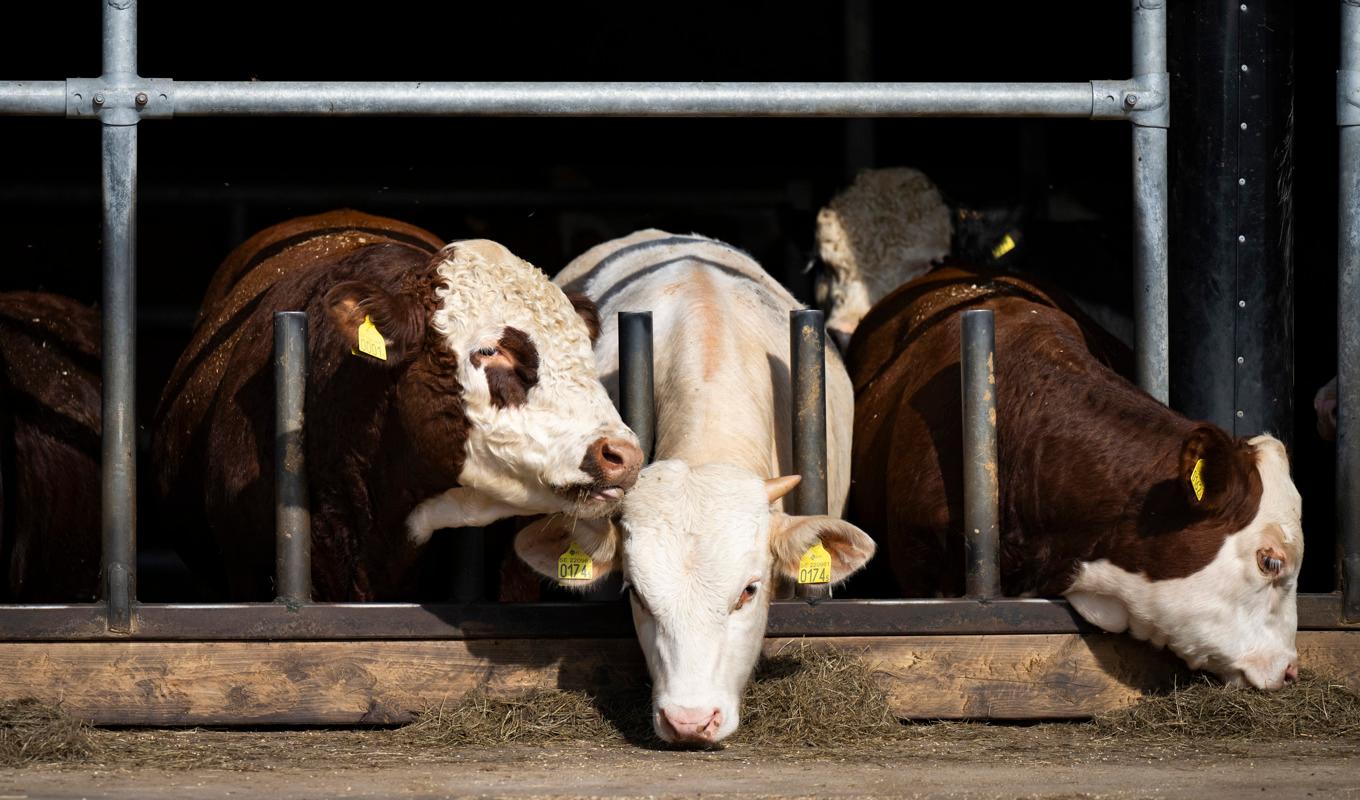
(981, 460)
(637, 401)
(1348, 316)
(292, 507)
(1150, 296)
(361, 98)
(118, 167)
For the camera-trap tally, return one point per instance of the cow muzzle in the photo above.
(613, 466)
(689, 726)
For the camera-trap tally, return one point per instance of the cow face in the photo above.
(1235, 616)
(699, 549)
(499, 387)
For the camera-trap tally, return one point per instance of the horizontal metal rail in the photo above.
(161, 98)
(346, 621)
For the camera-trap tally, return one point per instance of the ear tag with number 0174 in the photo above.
(574, 565)
(815, 565)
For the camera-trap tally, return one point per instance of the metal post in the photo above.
(807, 368)
(1150, 203)
(981, 493)
(118, 160)
(1348, 316)
(292, 509)
(637, 402)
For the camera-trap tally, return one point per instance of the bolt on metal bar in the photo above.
(1150, 296)
(807, 368)
(981, 461)
(118, 167)
(1348, 323)
(292, 508)
(637, 401)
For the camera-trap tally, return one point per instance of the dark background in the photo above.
(550, 188)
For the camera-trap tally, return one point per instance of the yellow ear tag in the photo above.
(574, 565)
(1197, 479)
(371, 342)
(1003, 247)
(815, 565)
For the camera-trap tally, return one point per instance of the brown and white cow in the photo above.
(1146, 521)
(701, 538)
(486, 403)
(49, 448)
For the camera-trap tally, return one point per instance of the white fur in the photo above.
(517, 457)
(883, 231)
(1229, 617)
(697, 529)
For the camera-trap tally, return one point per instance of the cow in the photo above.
(475, 398)
(702, 537)
(49, 448)
(1146, 521)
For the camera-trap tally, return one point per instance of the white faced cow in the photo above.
(701, 537)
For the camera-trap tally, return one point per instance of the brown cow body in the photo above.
(382, 437)
(49, 448)
(1094, 473)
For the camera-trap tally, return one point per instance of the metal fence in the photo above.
(120, 99)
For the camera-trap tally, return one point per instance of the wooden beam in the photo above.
(267, 683)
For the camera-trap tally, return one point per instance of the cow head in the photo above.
(699, 549)
(1230, 607)
(883, 231)
(498, 388)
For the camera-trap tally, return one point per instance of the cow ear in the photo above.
(1101, 610)
(1211, 468)
(360, 311)
(576, 553)
(791, 537)
(589, 313)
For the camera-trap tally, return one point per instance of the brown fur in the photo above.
(49, 448)
(1091, 467)
(381, 436)
(512, 370)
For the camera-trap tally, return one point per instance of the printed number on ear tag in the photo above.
(574, 565)
(815, 565)
(1003, 247)
(371, 342)
(1197, 479)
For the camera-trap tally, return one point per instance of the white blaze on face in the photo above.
(1237, 616)
(525, 455)
(698, 547)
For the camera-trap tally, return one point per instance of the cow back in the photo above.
(49, 447)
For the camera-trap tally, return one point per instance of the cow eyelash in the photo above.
(746, 595)
(1271, 565)
(486, 351)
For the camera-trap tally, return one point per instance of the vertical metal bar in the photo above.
(637, 401)
(981, 493)
(807, 369)
(118, 184)
(292, 510)
(807, 366)
(1150, 309)
(1348, 317)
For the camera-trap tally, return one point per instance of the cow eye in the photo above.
(486, 351)
(1271, 565)
(746, 595)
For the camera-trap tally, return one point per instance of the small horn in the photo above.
(776, 488)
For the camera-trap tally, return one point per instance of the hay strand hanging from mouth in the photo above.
(1315, 707)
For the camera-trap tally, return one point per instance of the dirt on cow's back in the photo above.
(939, 760)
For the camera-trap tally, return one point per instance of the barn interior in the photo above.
(550, 188)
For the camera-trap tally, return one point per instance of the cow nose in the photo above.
(691, 725)
(613, 462)
(1291, 674)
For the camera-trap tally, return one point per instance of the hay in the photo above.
(1315, 707)
(32, 732)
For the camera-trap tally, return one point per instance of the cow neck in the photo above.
(1091, 471)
